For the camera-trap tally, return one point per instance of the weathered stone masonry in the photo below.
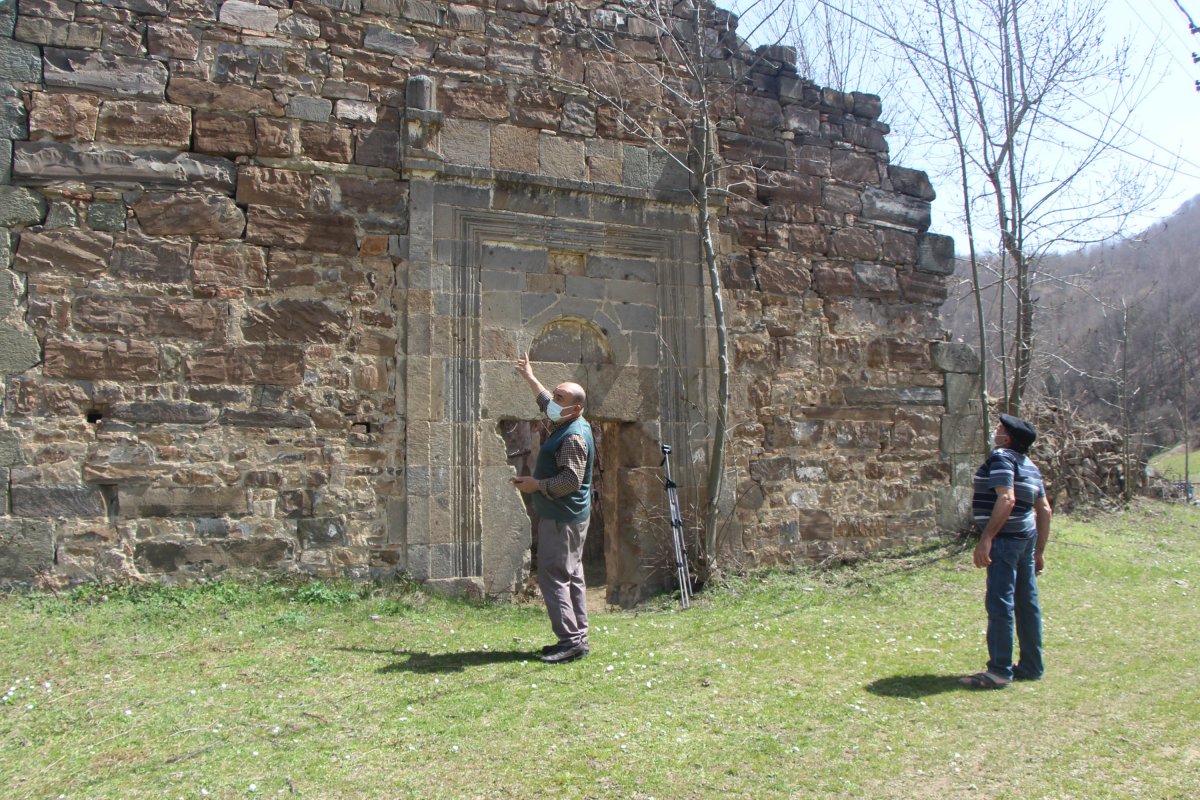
(267, 267)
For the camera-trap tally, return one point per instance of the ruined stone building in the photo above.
(267, 267)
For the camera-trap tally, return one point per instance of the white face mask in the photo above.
(554, 412)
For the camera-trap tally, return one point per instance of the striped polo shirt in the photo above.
(1005, 467)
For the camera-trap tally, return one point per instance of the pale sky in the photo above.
(1169, 116)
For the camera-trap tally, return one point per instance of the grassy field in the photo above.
(1170, 464)
(807, 684)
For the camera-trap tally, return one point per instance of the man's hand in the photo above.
(527, 484)
(524, 368)
(1039, 563)
(983, 552)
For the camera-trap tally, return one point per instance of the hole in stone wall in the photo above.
(94, 415)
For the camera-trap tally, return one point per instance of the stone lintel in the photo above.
(45, 162)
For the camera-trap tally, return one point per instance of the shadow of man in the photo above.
(914, 686)
(425, 663)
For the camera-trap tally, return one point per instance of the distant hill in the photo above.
(1118, 320)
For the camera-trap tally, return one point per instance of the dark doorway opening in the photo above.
(523, 439)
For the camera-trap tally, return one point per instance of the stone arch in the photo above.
(572, 340)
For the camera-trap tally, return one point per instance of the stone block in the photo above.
(10, 449)
(145, 259)
(138, 124)
(380, 205)
(189, 501)
(356, 112)
(51, 502)
(962, 394)
(801, 120)
(63, 116)
(228, 268)
(466, 142)
(265, 419)
(418, 562)
(962, 433)
(108, 359)
(321, 532)
(224, 133)
(876, 280)
(20, 206)
(20, 62)
(462, 100)
(45, 162)
(163, 214)
(852, 167)
(312, 109)
(14, 119)
(150, 316)
(894, 395)
(106, 216)
(223, 97)
(955, 357)
(854, 244)
(386, 40)
(790, 188)
(896, 209)
(171, 40)
(296, 321)
(29, 548)
(249, 16)
(326, 142)
(162, 412)
(273, 187)
(73, 251)
(935, 254)
(911, 182)
(19, 350)
(562, 158)
(954, 510)
(247, 365)
(105, 73)
(6, 153)
(377, 147)
(323, 233)
(922, 287)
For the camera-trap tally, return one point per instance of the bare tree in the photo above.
(692, 77)
(1012, 81)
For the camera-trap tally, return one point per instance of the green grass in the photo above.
(1170, 464)
(804, 684)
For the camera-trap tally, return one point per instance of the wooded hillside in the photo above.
(1116, 328)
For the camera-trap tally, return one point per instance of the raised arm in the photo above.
(525, 370)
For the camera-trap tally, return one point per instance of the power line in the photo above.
(937, 60)
(1191, 23)
(1157, 32)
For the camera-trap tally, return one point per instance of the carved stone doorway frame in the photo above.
(481, 284)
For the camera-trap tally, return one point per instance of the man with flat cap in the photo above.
(1011, 510)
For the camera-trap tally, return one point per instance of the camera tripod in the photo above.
(677, 534)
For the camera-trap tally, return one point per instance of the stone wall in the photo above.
(267, 267)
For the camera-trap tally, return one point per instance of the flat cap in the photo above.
(1022, 433)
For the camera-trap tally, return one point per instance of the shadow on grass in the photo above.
(417, 661)
(914, 686)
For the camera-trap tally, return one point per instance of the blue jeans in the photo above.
(1012, 592)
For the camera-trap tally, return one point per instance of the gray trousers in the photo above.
(560, 577)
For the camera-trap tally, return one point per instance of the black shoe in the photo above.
(570, 654)
(557, 646)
